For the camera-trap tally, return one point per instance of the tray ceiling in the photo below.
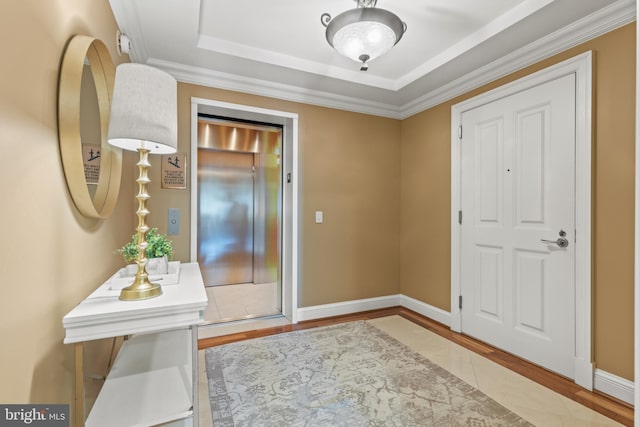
(278, 48)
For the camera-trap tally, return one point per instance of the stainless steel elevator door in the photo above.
(225, 212)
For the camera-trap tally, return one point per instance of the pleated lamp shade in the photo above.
(144, 110)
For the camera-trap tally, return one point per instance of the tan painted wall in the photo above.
(50, 257)
(426, 194)
(350, 169)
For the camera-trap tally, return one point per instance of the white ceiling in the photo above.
(278, 48)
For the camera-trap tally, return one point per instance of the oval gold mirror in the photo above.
(92, 167)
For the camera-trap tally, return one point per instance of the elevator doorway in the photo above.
(239, 218)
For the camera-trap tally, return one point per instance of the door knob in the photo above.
(561, 241)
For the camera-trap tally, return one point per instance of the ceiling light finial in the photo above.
(366, 3)
(364, 32)
(365, 62)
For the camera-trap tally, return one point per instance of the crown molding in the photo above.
(601, 22)
(226, 81)
(605, 20)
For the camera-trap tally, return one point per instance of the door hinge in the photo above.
(460, 132)
(460, 302)
(460, 217)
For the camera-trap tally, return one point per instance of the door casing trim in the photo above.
(290, 235)
(581, 66)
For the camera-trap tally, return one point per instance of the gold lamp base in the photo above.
(140, 289)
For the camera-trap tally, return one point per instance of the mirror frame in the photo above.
(104, 200)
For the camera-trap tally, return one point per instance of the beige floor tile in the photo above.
(535, 403)
(211, 312)
(233, 302)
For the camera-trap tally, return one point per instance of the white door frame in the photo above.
(290, 239)
(580, 66)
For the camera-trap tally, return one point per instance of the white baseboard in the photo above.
(347, 307)
(426, 310)
(615, 386)
(355, 306)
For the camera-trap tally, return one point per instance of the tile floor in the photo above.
(537, 404)
(233, 302)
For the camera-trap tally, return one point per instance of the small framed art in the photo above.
(174, 171)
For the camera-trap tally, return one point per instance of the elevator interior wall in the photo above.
(239, 203)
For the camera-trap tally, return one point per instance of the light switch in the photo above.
(319, 217)
(173, 225)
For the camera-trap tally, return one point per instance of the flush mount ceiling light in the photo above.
(363, 33)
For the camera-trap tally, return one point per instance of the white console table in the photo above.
(154, 378)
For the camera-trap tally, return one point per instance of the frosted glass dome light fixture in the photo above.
(363, 33)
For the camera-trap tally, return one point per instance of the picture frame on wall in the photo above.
(174, 171)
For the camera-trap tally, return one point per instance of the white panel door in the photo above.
(518, 189)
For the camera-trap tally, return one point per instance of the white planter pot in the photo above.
(130, 270)
(155, 267)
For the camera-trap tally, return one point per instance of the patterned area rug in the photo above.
(351, 374)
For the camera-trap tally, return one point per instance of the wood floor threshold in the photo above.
(599, 402)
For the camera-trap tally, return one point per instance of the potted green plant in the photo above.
(159, 251)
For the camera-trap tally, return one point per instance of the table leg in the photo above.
(79, 384)
(195, 382)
